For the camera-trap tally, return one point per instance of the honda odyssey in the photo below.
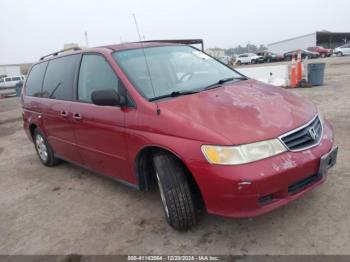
(170, 115)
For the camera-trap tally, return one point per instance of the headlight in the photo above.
(235, 155)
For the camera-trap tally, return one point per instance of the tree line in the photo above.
(249, 48)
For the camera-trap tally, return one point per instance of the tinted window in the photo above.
(35, 80)
(95, 74)
(16, 78)
(7, 79)
(1, 80)
(59, 78)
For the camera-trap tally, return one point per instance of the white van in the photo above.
(10, 81)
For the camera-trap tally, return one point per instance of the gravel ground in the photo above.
(66, 209)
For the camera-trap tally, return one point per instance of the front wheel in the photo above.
(175, 192)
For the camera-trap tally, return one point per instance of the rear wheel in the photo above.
(239, 62)
(339, 54)
(175, 192)
(253, 61)
(43, 149)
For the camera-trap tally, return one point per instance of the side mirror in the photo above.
(106, 97)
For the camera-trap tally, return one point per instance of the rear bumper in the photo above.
(257, 188)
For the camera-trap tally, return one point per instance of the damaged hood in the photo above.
(239, 112)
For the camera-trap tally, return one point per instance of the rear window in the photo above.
(35, 79)
(59, 78)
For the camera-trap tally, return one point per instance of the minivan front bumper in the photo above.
(256, 188)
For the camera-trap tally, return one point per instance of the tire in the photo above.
(175, 192)
(253, 61)
(43, 149)
(238, 62)
(339, 54)
(323, 55)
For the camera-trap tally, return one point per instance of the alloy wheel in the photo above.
(41, 147)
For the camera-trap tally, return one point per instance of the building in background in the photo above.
(14, 69)
(321, 38)
(215, 52)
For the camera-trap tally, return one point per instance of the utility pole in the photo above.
(86, 39)
(137, 27)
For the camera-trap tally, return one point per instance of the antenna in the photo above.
(86, 39)
(137, 27)
(145, 57)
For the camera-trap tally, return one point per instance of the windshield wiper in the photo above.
(173, 94)
(222, 81)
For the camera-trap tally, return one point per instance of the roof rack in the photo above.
(62, 51)
(180, 41)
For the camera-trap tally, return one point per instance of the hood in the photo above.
(241, 112)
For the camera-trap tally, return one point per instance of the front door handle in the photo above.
(77, 116)
(64, 114)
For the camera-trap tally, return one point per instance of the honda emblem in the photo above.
(312, 133)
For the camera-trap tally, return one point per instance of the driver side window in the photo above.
(95, 74)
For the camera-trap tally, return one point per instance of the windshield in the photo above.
(171, 69)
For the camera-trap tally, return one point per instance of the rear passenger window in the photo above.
(59, 78)
(35, 79)
(95, 74)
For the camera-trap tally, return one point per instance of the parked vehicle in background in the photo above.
(168, 115)
(270, 57)
(225, 59)
(10, 81)
(304, 54)
(342, 50)
(324, 52)
(249, 58)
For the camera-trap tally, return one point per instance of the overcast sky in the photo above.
(32, 28)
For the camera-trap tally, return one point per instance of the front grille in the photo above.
(301, 184)
(304, 137)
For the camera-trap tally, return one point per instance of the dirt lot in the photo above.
(66, 209)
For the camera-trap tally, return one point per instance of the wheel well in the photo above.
(146, 175)
(32, 128)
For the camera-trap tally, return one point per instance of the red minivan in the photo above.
(168, 114)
